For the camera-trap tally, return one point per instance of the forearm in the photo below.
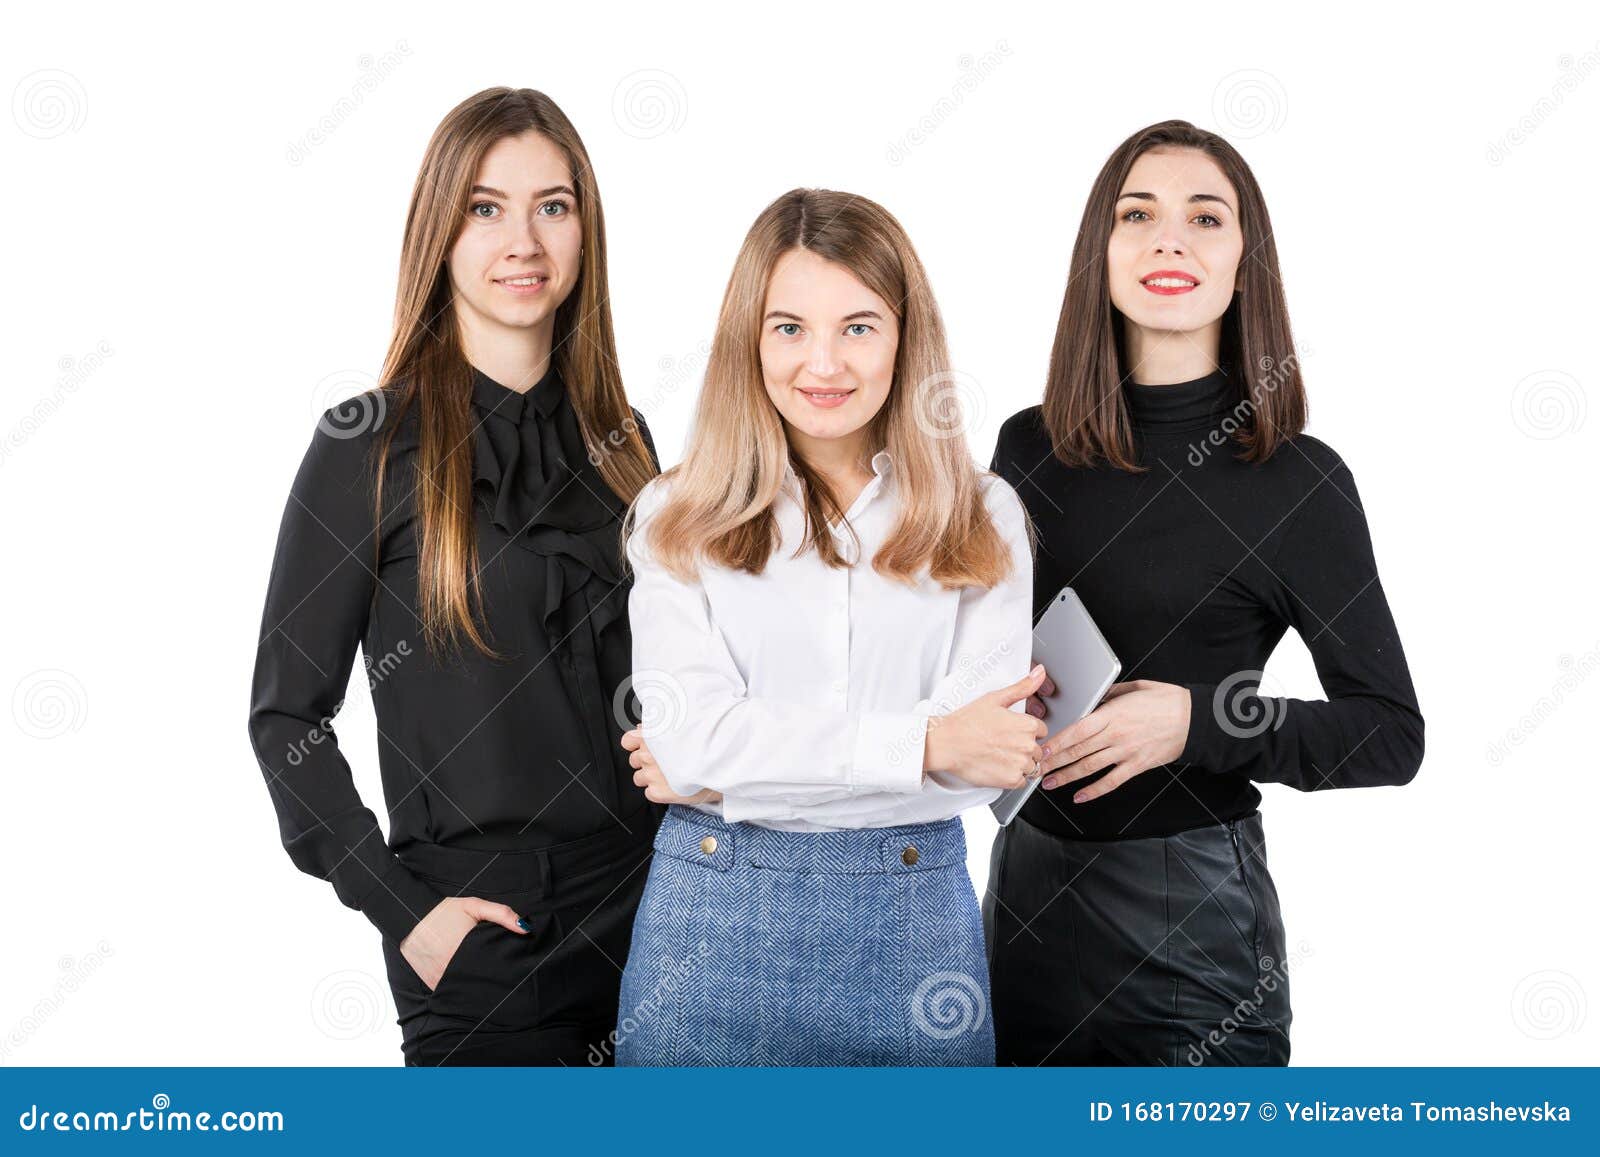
(1354, 741)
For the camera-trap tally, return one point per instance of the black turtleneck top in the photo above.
(514, 753)
(1193, 570)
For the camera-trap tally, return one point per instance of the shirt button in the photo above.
(708, 845)
(909, 857)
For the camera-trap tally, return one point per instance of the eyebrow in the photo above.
(1193, 198)
(493, 192)
(872, 313)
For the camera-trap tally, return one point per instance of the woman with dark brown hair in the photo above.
(1131, 919)
(461, 524)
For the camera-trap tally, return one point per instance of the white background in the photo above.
(195, 269)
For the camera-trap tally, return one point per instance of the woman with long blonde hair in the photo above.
(459, 524)
(831, 628)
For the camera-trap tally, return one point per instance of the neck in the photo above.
(1164, 357)
(515, 356)
(838, 460)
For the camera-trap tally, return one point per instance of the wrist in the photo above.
(930, 746)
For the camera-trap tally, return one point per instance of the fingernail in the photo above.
(522, 922)
(1080, 798)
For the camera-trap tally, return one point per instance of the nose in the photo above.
(524, 240)
(1169, 242)
(821, 359)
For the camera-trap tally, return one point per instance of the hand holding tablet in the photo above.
(1082, 667)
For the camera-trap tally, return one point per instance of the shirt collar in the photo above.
(882, 467)
(1199, 402)
(543, 397)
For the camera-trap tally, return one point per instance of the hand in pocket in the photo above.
(431, 945)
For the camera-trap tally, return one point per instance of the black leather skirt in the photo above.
(1160, 951)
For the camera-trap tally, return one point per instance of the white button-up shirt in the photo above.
(802, 694)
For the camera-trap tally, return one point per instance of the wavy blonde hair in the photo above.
(720, 506)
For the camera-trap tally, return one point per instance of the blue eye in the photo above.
(476, 205)
(560, 205)
(788, 328)
(862, 326)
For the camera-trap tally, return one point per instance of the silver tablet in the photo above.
(1079, 663)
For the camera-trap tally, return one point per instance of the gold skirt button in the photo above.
(909, 856)
(708, 845)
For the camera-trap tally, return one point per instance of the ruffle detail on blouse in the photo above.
(523, 472)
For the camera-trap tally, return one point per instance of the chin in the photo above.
(523, 319)
(813, 426)
(1182, 320)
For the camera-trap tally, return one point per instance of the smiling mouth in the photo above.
(827, 397)
(528, 283)
(1169, 283)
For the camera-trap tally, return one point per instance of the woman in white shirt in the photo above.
(832, 624)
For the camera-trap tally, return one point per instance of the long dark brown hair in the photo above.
(1084, 410)
(427, 367)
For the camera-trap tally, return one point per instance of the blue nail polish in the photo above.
(522, 922)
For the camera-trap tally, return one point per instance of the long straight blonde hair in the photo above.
(427, 367)
(720, 506)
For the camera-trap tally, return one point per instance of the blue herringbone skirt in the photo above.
(761, 947)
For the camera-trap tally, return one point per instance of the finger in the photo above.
(1082, 768)
(1064, 743)
(501, 914)
(1022, 688)
(1110, 783)
(632, 740)
(1036, 707)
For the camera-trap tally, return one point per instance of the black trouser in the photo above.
(545, 997)
(1159, 951)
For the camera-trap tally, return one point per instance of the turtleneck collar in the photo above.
(1181, 405)
(543, 397)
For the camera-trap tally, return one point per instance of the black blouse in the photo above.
(511, 754)
(1193, 571)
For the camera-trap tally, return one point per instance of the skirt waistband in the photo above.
(541, 871)
(703, 838)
